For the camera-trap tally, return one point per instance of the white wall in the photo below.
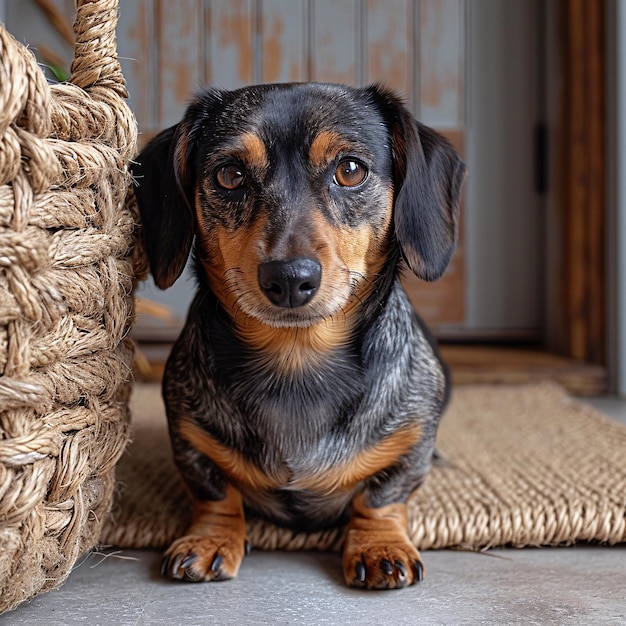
(616, 25)
(505, 215)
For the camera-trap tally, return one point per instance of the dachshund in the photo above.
(304, 388)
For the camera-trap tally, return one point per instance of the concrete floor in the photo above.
(576, 585)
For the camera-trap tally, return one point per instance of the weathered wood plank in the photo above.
(441, 56)
(333, 52)
(284, 37)
(180, 60)
(231, 43)
(389, 48)
(136, 44)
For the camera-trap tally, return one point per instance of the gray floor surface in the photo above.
(576, 585)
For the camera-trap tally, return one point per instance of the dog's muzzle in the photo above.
(290, 284)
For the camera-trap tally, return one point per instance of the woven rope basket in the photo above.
(66, 301)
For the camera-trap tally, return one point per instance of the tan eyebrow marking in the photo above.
(326, 146)
(255, 153)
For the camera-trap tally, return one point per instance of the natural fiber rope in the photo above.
(524, 465)
(66, 285)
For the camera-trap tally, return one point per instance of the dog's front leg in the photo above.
(214, 544)
(378, 553)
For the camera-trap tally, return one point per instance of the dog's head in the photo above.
(297, 195)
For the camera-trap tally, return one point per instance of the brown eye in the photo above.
(350, 173)
(230, 177)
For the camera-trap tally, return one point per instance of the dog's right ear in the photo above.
(165, 191)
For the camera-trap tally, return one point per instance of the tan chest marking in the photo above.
(343, 476)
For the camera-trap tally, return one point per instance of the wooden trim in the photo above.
(581, 180)
(501, 365)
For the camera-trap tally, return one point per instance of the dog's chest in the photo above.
(299, 406)
(297, 428)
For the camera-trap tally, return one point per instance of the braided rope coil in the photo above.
(66, 301)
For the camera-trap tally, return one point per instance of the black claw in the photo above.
(386, 566)
(419, 571)
(217, 563)
(401, 568)
(165, 565)
(176, 566)
(360, 572)
(192, 575)
(190, 560)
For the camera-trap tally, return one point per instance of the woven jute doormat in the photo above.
(522, 466)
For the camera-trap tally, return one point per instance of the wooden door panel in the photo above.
(441, 73)
(231, 43)
(284, 34)
(136, 39)
(179, 57)
(334, 42)
(389, 45)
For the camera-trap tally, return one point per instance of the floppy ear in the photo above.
(427, 186)
(165, 199)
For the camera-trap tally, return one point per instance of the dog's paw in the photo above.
(392, 565)
(378, 553)
(201, 558)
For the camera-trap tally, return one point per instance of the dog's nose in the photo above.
(290, 284)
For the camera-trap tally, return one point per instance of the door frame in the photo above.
(616, 223)
(577, 266)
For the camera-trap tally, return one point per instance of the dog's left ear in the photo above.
(164, 195)
(428, 174)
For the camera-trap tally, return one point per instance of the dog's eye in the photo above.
(350, 173)
(230, 177)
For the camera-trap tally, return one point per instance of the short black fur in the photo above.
(299, 393)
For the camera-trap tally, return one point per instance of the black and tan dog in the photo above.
(303, 387)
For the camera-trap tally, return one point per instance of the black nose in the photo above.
(290, 284)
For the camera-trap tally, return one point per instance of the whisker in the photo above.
(227, 271)
(356, 277)
(237, 305)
